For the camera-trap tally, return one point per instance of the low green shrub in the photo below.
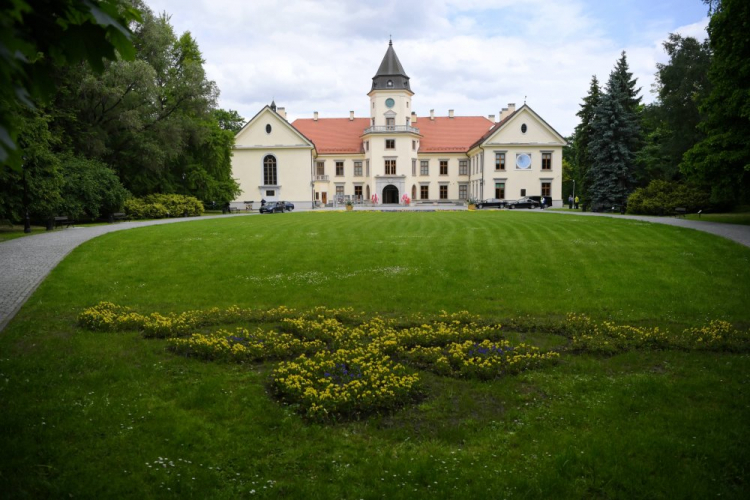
(662, 197)
(159, 206)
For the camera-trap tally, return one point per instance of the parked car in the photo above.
(288, 206)
(272, 207)
(492, 203)
(524, 202)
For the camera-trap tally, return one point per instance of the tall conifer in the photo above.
(614, 135)
(583, 136)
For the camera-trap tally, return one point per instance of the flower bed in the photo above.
(243, 345)
(484, 360)
(346, 382)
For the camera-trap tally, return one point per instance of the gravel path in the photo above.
(25, 262)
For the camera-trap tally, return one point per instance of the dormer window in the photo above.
(389, 83)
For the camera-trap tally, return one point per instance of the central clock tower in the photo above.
(391, 141)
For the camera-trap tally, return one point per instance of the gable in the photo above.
(282, 134)
(537, 131)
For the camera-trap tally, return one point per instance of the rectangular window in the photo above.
(463, 167)
(546, 161)
(358, 169)
(500, 190)
(413, 145)
(414, 167)
(390, 144)
(424, 192)
(339, 190)
(443, 192)
(339, 168)
(367, 168)
(523, 192)
(390, 167)
(320, 168)
(443, 167)
(499, 161)
(270, 192)
(367, 144)
(358, 192)
(390, 123)
(546, 189)
(424, 167)
(462, 192)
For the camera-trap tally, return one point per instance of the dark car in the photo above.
(492, 203)
(288, 206)
(523, 203)
(272, 208)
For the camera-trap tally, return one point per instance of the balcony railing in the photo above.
(321, 178)
(386, 129)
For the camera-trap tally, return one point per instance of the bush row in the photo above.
(662, 197)
(159, 206)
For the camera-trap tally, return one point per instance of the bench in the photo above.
(680, 212)
(118, 216)
(63, 220)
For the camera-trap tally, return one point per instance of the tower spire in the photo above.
(391, 74)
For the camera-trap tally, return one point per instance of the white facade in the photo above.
(392, 154)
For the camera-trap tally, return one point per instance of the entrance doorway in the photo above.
(324, 197)
(390, 194)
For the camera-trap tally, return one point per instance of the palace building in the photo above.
(393, 154)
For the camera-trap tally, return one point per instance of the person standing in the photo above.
(570, 202)
(576, 202)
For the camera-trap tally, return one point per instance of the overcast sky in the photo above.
(473, 56)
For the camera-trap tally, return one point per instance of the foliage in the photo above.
(662, 197)
(583, 136)
(615, 136)
(41, 175)
(37, 37)
(228, 120)
(90, 188)
(722, 159)
(158, 206)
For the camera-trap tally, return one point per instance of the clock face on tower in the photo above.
(389, 102)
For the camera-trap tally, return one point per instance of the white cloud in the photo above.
(474, 56)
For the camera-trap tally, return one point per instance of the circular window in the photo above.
(389, 102)
(268, 128)
(389, 83)
(523, 128)
(523, 161)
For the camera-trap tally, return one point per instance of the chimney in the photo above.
(282, 112)
(491, 117)
(450, 113)
(315, 116)
(503, 114)
(351, 115)
(511, 108)
(432, 114)
(413, 117)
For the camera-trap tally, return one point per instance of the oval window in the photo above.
(523, 128)
(268, 128)
(389, 102)
(389, 83)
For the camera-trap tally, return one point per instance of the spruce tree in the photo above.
(614, 132)
(583, 136)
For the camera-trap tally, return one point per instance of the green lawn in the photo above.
(112, 415)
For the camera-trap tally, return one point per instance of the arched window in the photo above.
(269, 171)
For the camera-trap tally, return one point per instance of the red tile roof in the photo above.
(441, 135)
(445, 134)
(333, 135)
